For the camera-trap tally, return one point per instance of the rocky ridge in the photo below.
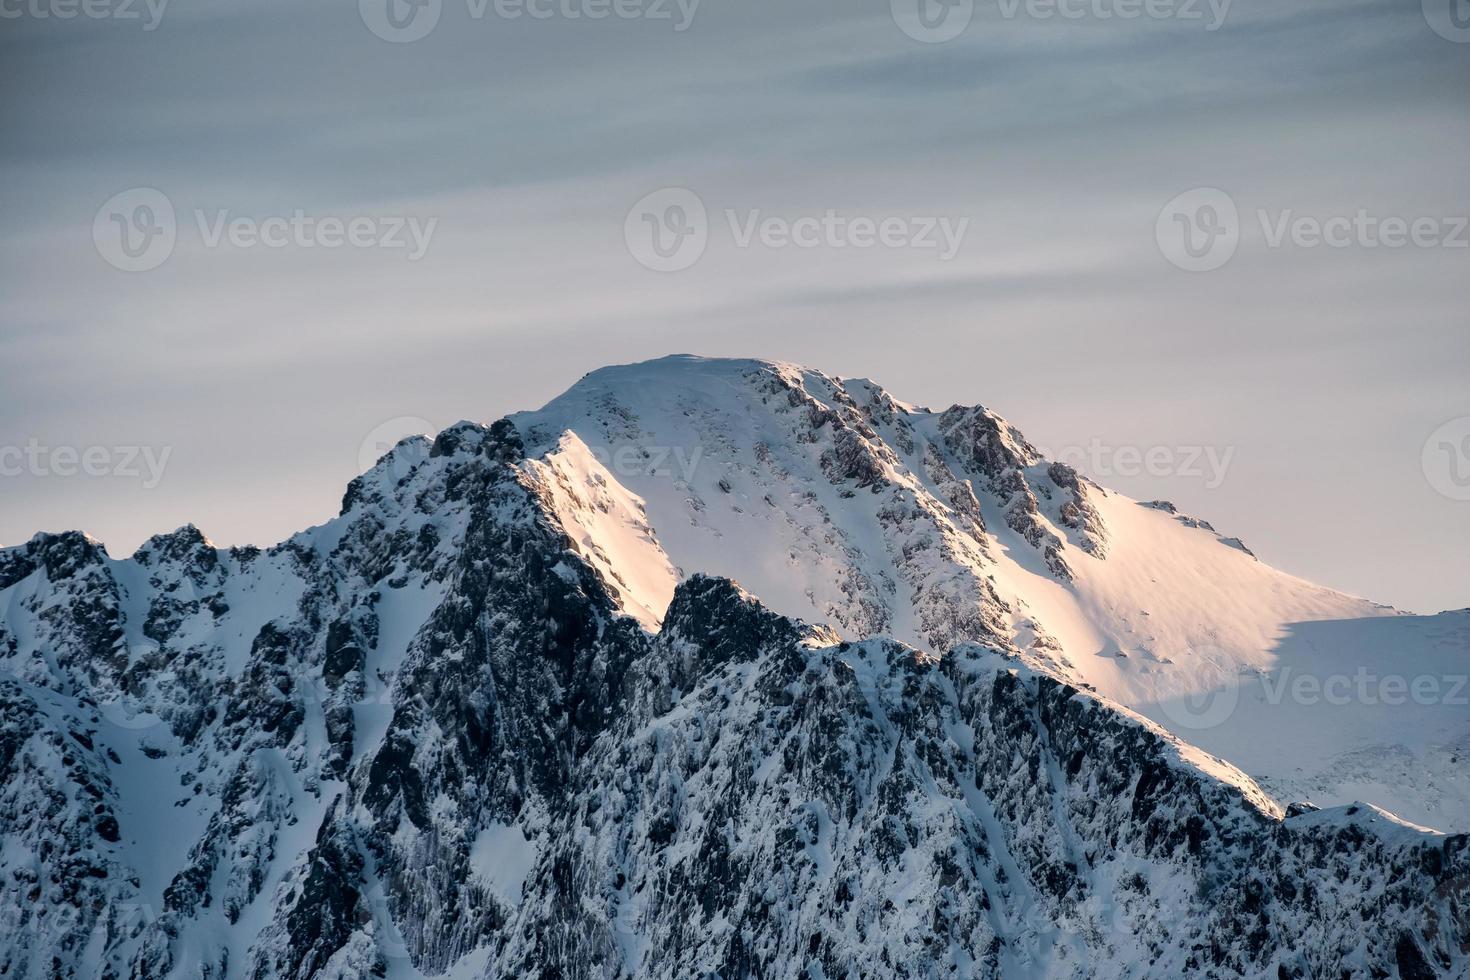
(439, 736)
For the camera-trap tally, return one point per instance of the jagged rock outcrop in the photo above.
(440, 735)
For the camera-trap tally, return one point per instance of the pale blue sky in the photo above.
(1322, 370)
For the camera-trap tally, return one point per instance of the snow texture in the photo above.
(966, 714)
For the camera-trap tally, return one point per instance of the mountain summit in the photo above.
(835, 502)
(723, 668)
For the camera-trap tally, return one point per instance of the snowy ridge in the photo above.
(607, 526)
(505, 716)
(833, 501)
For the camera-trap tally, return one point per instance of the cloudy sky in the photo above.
(497, 162)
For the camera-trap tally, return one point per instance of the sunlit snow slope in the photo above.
(833, 501)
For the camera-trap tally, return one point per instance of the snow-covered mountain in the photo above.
(834, 502)
(966, 714)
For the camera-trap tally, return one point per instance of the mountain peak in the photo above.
(509, 714)
(835, 503)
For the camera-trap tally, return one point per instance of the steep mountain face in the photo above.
(509, 716)
(834, 502)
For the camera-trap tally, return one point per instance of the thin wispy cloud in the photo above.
(527, 141)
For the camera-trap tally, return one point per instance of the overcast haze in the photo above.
(519, 145)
